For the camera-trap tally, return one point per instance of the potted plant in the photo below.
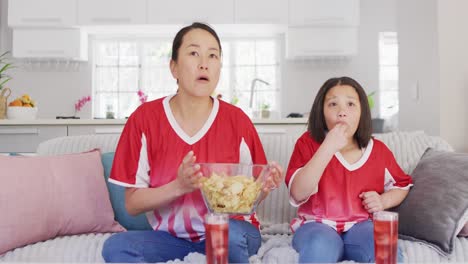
(79, 105)
(377, 123)
(265, 110)
(235, 100)
(4, 78)
(370, 99)
(4, 66)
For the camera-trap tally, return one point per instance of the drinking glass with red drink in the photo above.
(217, 231)
(385, 237)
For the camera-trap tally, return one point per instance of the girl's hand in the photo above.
(274, 178)
(188, 175)
(337, 137)
(371, 201)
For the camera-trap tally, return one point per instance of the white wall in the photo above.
(453, 51)
(433, 55)
(419, 60)
(55, 87)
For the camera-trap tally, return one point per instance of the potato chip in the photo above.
(230, 194)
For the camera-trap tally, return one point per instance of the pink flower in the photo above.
(142, 96)
(82, 102)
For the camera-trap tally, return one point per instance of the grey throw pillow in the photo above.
(464, 231)
(434, 208)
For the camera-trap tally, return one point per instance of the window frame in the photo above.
(384, 86)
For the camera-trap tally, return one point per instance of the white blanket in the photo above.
(275, 249)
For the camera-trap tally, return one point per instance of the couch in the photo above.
(274, 213)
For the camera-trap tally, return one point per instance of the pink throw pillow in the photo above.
(45, 197)
(464, 231)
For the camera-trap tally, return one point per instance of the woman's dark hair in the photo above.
(317, 126)
(180, 35)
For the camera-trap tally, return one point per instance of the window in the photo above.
(250, 74)
(388, 76)
(122, 67)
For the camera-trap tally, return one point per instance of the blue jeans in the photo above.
(160, 246)
(319, 243)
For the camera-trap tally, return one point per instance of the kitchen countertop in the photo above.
(6, 122)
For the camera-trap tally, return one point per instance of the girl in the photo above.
(161, 142)
(338, 176)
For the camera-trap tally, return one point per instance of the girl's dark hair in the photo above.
(180, 35)
(317, 126)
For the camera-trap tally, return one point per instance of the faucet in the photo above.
(252, 86)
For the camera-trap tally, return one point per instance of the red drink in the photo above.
(385, 237)
(217, 231)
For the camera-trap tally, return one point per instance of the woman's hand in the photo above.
(274, 178)
(337, 137)
(372, 201)
(188, 175)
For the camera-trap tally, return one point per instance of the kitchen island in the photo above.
(25, 135)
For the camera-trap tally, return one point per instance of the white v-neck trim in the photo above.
(360, 162)
(179, 131)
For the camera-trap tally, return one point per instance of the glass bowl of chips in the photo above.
(232, 188)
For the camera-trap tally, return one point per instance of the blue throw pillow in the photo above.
(117, 197)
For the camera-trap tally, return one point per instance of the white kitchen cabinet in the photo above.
(27, 138)
(69, 44)
(324, 12)
(111, 12)
(310, 42)
(42, 13)
(76, 130)
(261, 11)
(186, 12)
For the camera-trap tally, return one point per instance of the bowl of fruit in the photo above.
(23, 108)
(232, 188)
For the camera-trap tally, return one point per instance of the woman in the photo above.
(161, 142)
